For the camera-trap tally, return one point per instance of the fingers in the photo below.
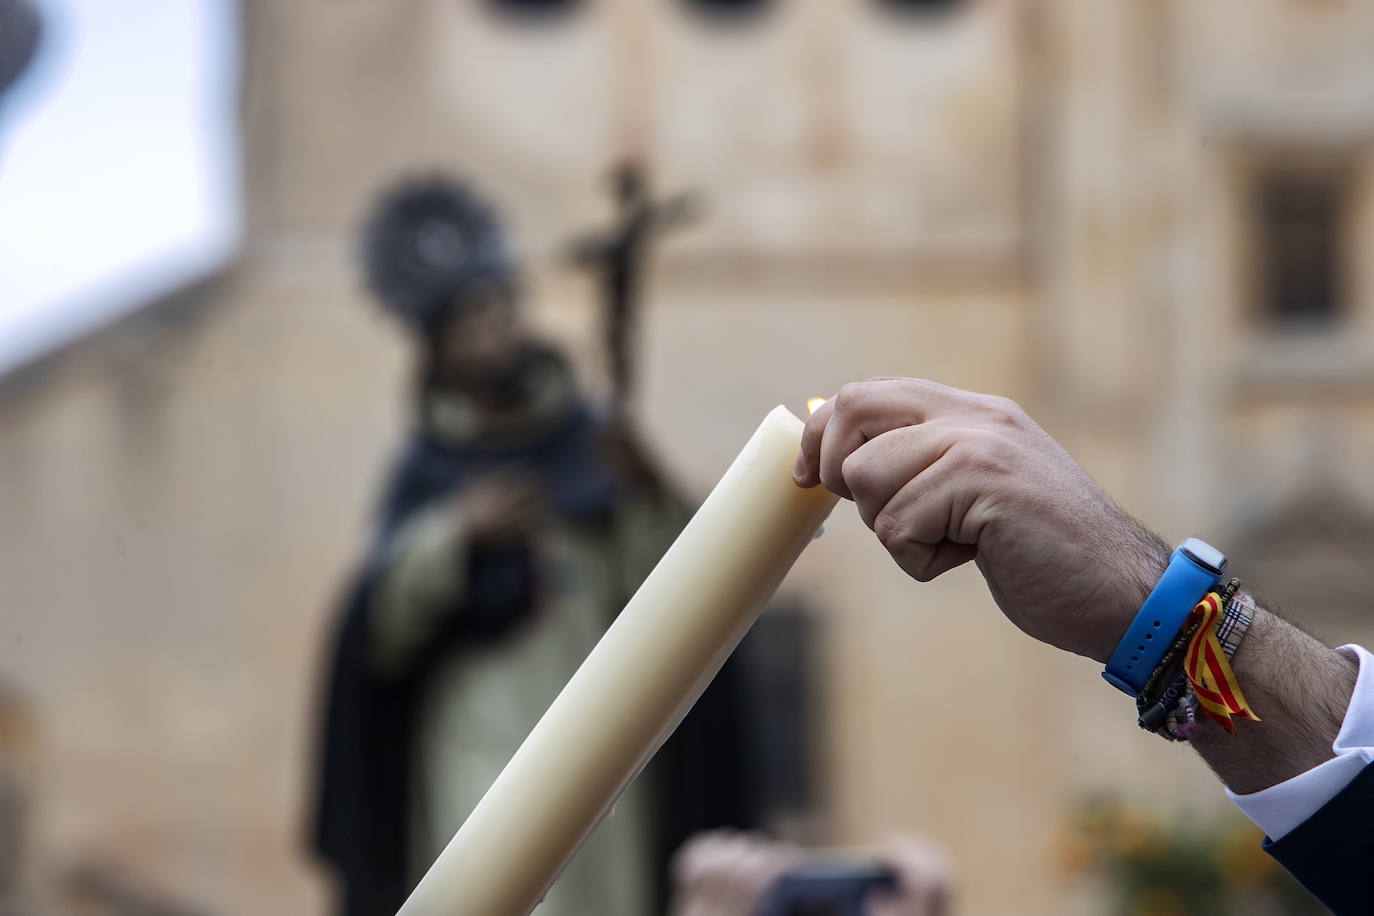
(926, 562)
(506, 503)
(525, 502)
(726, 874)
(925, 526)
(882, 466)
(923, 879)
(863, 411)
(751, 872)
(523, 488)
(807, 471)
(691, 870)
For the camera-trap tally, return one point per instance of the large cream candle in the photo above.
(634, 687)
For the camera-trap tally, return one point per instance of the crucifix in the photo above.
(617, 258)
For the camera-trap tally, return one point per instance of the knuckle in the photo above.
(983, 451)
(849, 396)
(924, 572)
(964, 455)
(857, 472)
(889, 529)
(1000, 409)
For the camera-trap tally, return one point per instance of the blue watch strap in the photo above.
(1163, 614)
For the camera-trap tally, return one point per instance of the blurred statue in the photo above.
(513, 527)
(618, 259)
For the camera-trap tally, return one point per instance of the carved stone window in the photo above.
(919, 8)
(1299, 219)
(535, 9)
(730, 11)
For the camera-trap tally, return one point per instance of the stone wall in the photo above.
(1039, 199)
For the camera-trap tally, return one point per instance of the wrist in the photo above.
(1194, 569)
(1138, 569)
(1300, 687)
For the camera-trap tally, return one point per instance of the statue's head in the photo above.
(435, 257)
(430, 248)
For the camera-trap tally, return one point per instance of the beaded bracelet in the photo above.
(1166, 686)
(1171, 712)
(1158, 696)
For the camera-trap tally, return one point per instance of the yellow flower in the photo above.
(1159, 901)
(1136, 835)
(1072, 851)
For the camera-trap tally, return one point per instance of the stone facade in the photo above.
(1053, 200)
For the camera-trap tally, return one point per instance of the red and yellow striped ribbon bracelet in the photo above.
(1214, 683)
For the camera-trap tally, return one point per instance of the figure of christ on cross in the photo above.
(617, 258)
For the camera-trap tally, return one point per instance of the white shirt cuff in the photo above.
(1280, 808)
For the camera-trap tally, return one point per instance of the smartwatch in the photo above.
(1195, 568)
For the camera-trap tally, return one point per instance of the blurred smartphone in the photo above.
(826, 889)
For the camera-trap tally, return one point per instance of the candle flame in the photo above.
(814, 404)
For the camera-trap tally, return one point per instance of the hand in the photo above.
(923, 880)
(501, 507)
(944, 476)
(722, 873)
(626, 452)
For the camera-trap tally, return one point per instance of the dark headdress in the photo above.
(427, 245)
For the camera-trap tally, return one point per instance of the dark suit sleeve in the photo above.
(1332, 852)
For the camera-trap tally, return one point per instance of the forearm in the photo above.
(1299, 688)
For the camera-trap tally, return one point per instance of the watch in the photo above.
(1195, 568)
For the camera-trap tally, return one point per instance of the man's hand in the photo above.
(924, 879)
(723, 873)
(944, 476)
(625, 451)
(501, 507)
